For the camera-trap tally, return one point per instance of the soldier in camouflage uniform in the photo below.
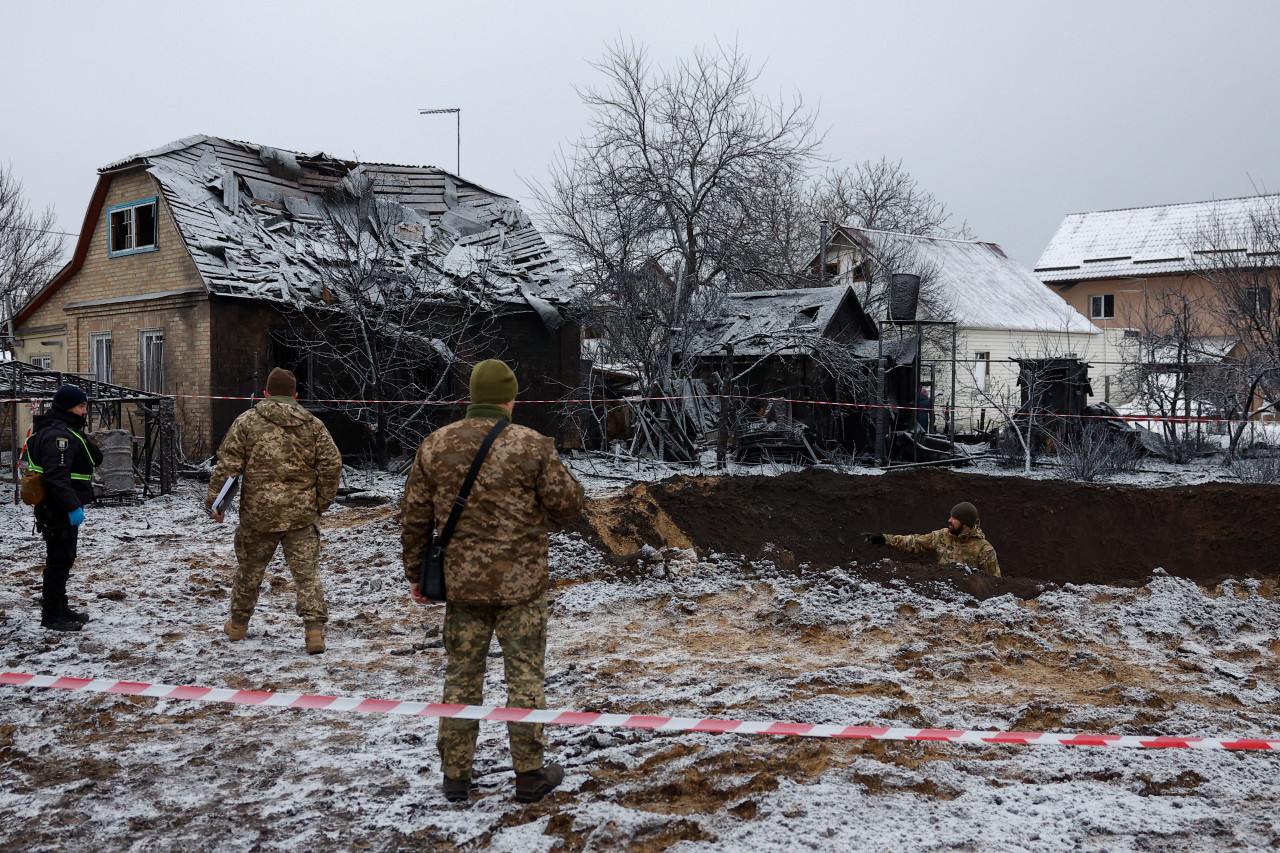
(961, 541)
(290, 469)
(495, 569)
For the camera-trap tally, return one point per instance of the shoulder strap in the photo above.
(460, 502)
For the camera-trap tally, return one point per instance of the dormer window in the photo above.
(131, 228)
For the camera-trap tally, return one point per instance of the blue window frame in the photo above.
(132, 227)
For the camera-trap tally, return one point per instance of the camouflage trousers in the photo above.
(254, 550)
(522, 633)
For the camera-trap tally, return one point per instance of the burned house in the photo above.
(193, 256)
(775, 351)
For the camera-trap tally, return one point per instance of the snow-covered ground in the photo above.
(720, 635)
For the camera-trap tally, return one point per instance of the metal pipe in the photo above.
(823, 236)
(951, 411)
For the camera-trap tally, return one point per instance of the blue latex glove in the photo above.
(77, 516)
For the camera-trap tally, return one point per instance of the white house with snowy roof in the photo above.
(1000, 309)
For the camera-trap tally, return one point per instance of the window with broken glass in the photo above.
(131, 228)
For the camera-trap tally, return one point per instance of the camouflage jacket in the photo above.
(970, 548)
(498, 553)
(289, 464)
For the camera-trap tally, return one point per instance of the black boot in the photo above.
(74, 615)
(54, 620)
(456, 790)
(536, 784)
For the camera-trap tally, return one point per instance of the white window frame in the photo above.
(150, 373)
(44, 362)
(127, 213)
(1098, 308)
(100, 356)
(981, 369)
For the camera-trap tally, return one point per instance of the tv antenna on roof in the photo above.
(457, 111)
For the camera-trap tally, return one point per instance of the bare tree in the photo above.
(883, 196)
(1239, 258)
(878, 195)
(388, 325)
(1176, 365)
(31, 251)
(672, 172)
(688, 185)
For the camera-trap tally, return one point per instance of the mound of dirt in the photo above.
(1043, 530)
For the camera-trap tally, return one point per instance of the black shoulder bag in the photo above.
(431, 578)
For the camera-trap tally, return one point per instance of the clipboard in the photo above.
(226, 495)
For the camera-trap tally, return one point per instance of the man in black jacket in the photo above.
(59, 452)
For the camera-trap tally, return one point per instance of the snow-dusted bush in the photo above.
(1096, 452)
(1260, 465)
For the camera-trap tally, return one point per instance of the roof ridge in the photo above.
(919, 236)
(1176, 204)
(197, 138)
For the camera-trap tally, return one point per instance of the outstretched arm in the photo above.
(916, 543)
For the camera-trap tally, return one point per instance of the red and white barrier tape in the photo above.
(939, 410)
(361, 705)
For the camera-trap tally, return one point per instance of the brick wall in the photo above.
(184, 318)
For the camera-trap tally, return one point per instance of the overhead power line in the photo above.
(43, 230)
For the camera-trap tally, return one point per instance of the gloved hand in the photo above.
(77, 516)
(874, 538)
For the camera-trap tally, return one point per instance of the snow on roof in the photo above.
(252, 218)
(761, 321)
(982, 286)
(1142, 241)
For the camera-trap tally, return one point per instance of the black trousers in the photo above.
(60, 540)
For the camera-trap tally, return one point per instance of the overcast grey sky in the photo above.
(1013, 112)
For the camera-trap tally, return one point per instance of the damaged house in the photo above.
(196, 258)
(800, 345)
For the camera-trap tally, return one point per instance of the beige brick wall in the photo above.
(184, 319)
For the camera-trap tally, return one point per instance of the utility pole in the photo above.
(457, 111)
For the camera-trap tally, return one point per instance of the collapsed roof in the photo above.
(1144, 241)
(781, 322)
(253, 219)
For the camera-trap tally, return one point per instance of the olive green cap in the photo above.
(492, 382)
(965, 513)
